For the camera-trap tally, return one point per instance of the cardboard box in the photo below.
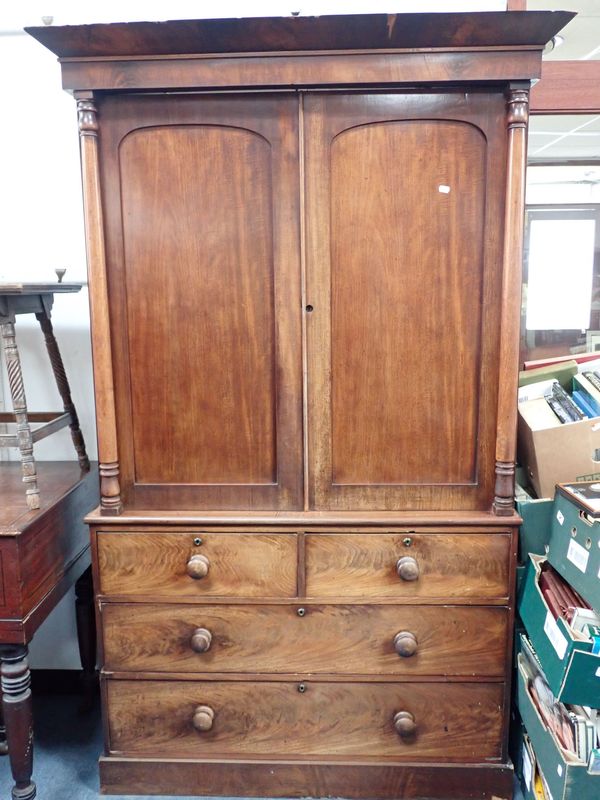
(534, 533)
(571, 669)
(528, 768)
(559, 454)
(521, 573)
(567, 778)
(574, 549)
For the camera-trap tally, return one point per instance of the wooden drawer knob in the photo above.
(201, 640)
(203, 719)
(405, 644)
(407, 568)
(197, 567)
(404, 723)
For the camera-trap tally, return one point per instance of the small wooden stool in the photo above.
(35, 298)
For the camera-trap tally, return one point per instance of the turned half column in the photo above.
(510, 320)
(108, 456)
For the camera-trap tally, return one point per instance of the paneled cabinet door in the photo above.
(201, 203)
(404, 202)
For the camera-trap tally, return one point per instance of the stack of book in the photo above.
(560, 754)
(559, 423)
(550, 402)
(557, 745)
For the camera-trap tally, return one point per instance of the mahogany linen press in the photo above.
(304, 244)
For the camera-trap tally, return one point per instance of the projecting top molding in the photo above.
(288, 34)
(90, 53)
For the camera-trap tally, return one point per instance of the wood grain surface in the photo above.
(402, 343)
(327, 32)
(212, 339)
(208, 254)
(42, 552)
(241, 565)
(55, 478)
(102, 331)
(258, 72)
(357, 639)
(450, 565)
(238, 778)
(388, 424)
(456, 722)
(301, 231)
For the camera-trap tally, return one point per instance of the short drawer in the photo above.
(191, 719)
(197, 564)
(351, 639)
(419, 565)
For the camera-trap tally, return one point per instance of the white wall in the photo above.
(40, 206)
(42, 228)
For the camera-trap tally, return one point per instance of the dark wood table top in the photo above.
(55, 479)
(42, 552)
(39, 288)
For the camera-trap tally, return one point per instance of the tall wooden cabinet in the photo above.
(304, 252)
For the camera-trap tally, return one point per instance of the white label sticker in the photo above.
(598, 672)
(557, 639)
(559, 769)
(578, 555)
(527, 767)
(560, 517)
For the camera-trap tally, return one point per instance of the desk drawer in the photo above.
(352, 639)
(435, 565)
(454, 721)
(224, 564)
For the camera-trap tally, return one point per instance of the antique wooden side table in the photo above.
(42, 554)
(35, 298)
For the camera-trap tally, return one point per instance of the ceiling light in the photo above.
(555, 42)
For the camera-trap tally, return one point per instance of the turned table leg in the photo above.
(62, 384)
(17, 391)
(3, 743)
(18, 718)
(86, 634)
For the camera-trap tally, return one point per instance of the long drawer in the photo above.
(402, 566)
(198, 564)
(391, 721)
(350, 639)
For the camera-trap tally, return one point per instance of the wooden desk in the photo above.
(42, 554)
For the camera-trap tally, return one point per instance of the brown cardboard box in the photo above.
(557, 454)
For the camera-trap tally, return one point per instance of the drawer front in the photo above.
(352, 639)
(454, 721)
(438, 565)
(236, 564)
